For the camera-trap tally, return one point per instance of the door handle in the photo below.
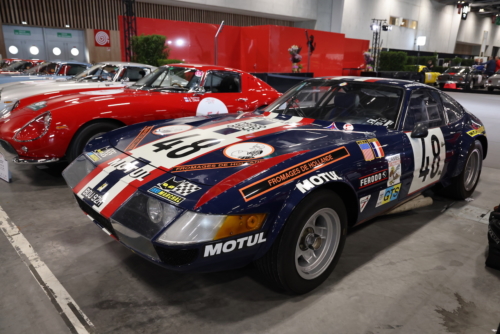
(242, 99)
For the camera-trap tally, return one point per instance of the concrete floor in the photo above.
(417, 272)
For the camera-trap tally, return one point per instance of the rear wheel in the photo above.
(441, 85)
(464, 184)
(490, 89)
(470, 85)
(85, 135)
(310, 244)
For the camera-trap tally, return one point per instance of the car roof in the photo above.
(67, 61)
(386, 81)
(123, 63)
(205, 67)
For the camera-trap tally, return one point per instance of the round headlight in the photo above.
(155, 210)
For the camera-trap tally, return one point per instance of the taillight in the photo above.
(34, 129)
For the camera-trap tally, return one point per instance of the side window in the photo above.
(133, 73)
(423, 107)
(222, 82)
(452, 108)
(75, 69)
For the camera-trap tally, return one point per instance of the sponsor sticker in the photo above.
(394, 164)
(348, 127)
(171, 129)
(173, 190)
(332, 126)
(476, 132)
(248, 150)
(380, 121)
(387, 195)
(211, 106)
(92, 196)
(215, 165)
(363, 201)
(129, 167)
(372, 179)
(101, 153)
(317, 180)
(198, 73)
(232, 245)
(246, 126)
(285, 176)
(371, 149)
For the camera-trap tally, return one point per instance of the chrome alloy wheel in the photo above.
(318, 243)
(472, 169)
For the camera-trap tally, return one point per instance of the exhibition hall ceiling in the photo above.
(484, 7)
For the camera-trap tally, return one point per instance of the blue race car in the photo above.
(278, 186)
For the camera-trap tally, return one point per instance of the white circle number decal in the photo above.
(211, 106)
(247, 151)
(102, 38)
(171, 129)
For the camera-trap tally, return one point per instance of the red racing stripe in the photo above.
(128, 191)
(95, 172)
(243, 175)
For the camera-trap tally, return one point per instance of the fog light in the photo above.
(155, 210)
(24, 148)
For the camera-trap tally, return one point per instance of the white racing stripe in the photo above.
(67, 308)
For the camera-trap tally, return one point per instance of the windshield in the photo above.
(456, 70)
(99, 72)
(341, 101)
(16, 66)
(171, 78)
(45, 68)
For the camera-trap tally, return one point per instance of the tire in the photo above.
(464, 184)
(285, 263)
(441, 86)
(85, 135)
(470, 85)
(490, 89)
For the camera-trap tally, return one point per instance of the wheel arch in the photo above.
(484, 142)
(94, 121)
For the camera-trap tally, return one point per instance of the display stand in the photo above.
(4, 169)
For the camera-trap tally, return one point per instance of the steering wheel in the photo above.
(176, 84)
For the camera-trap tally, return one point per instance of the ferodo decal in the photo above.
(388, 195)
(171, 129)
(317, 180)
(371, 149)
(281, 178)
(101, 153)
(363, 201)
(428, 156)
(248, 150)
(173, 190)
(215, 165)
(373, 178)
(476, 132)
(232, 245)
(211, 106)
(394, 163)
(137, 140)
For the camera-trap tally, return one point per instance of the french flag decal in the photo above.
(377, 148)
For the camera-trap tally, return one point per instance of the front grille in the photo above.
(176, 257)
(97, 217)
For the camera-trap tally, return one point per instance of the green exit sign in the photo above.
(22, 32)
(64, 35)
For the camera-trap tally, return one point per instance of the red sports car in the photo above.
(58, 127)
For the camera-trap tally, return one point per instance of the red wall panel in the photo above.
(256, 48)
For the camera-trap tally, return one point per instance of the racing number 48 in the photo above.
(183, 151)
(436, 151)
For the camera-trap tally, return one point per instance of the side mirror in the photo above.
(198, 90)
(421, 130)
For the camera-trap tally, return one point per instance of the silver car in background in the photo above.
(106, 74)
(493, 82)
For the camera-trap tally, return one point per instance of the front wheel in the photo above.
(310, 244)
(85, 135)
(464, 184)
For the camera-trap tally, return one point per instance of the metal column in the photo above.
(129, 27)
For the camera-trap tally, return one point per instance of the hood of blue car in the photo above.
(206, 150)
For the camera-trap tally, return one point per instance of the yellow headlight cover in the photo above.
(239, 224)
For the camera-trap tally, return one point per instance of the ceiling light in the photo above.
(67, 25)
(24, 22)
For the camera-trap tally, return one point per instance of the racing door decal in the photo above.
(211, 106)
(428, 156)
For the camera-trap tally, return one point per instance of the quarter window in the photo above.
(423, 107)
(222, 82)
(453, 110)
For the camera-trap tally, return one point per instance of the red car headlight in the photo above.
(34, 129)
